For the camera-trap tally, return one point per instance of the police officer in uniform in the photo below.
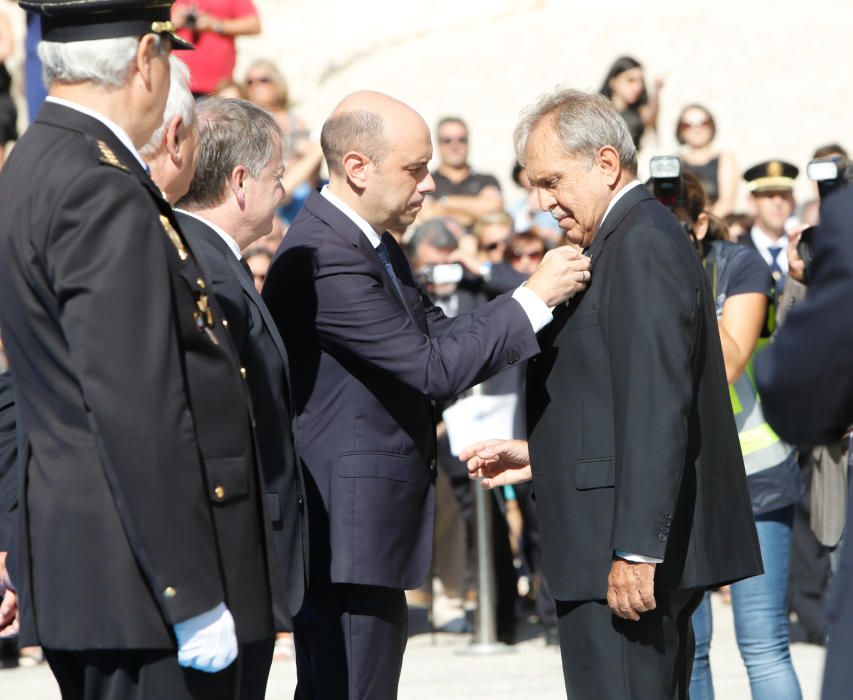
(771, 188)
(141, 554)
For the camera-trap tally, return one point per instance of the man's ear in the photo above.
(174, 140)
(237, 184)
(146, 52)
(609, 165)
(358, 168)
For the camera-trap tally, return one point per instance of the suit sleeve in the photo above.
(805, 377)
(360, 324)
(106, 262)
(654, 310)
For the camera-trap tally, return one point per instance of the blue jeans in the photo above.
(760, 607)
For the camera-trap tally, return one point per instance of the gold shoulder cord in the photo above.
(174, 237)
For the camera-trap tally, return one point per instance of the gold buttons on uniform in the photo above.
(219, 492)
(169, 592)
(243, 372)
(200, 283)
(225, 323)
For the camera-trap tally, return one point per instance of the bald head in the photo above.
(366, 122)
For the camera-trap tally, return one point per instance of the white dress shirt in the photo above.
(120, 133)
(763, 243)
(537, 311)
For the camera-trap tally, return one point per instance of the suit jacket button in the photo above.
(300, 503)
(219, 492)
(512, 357)
(243, 372)
(169, 593)
(225, 323)
(200, 283)
(662, 537)
(432, 465)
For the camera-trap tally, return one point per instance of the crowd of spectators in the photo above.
(472, 242)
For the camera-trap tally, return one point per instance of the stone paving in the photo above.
(434, 669)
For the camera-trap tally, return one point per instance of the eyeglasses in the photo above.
(263, 80)
(446, 140)
(697, 123)
(534, 256)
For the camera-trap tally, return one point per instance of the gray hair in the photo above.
(356, 130)
(436, 233)
(231, 132)
(180, 103)
(584, 122)
(106, 62)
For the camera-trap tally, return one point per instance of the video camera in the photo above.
(830, 174)
(666, 180)
(447, 273)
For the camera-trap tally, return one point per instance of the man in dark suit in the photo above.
(806, 382)
(367, 355)
(230, 204)
(640, 486)
(140, 531)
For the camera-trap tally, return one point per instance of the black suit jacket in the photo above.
(806, 382)
(140, 494)
(264, 358)
(632, 437)
(365, 364)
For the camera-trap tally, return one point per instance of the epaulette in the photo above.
(110, 158)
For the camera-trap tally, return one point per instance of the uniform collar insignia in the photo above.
(110, 158)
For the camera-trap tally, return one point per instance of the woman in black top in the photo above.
(625, 87)
(717, 170)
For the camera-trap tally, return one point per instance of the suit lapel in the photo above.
(339, 222)
(611, 222)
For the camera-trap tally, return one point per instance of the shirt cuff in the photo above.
(538, 312)
(638, 558)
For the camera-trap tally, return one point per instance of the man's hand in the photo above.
(8, 602)
(631, 588)
(563, 273)
(498, 462)
(796, 266)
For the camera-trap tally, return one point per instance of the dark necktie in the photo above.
(386, 260)
(775, 268)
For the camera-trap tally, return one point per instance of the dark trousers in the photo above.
(155, 675)
(608, 658)
(349, 642)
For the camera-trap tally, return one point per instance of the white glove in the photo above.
(207, 642)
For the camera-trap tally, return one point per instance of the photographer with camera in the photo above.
(211, 26)
(741, 285)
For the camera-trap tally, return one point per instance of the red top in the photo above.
(214, 56)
